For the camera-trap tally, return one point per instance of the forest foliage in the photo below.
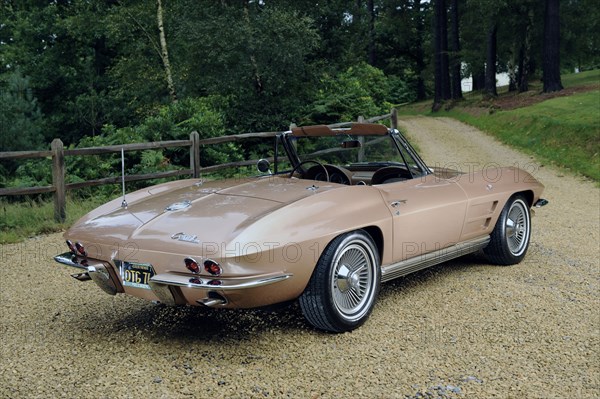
(94, 72)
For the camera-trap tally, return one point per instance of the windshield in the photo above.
(355, 152)
(344, 150)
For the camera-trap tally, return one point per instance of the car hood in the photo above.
(191, 213)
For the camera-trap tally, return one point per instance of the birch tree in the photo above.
(164, 52)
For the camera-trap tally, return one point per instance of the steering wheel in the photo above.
(310, 161)
(390, 174)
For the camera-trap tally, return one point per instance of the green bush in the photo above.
(172, 122)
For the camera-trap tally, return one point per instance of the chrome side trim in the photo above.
(395, 270)
(215, 284)
(70, 260)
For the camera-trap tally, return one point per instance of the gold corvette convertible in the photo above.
(336, 213)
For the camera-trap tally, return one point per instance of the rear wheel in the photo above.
(510, 238)
(344, 286)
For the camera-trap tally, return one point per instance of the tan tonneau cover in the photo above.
(358, 129)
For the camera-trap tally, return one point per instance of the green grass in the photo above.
(564, 131)
(26, 219)
(580, 79)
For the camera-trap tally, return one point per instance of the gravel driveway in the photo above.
(464, 329)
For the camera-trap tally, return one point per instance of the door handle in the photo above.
(396, 204)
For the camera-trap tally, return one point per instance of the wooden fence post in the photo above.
(195, 154)
(361, 119)
(394, 119)
(58, 180)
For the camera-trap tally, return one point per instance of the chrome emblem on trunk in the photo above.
(178, 206)
(186, 238)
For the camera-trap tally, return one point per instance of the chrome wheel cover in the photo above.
(517, 228)
(352, 281)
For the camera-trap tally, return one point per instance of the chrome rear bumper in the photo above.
(224, 284)
(70, 260)
(94, 270)
(167, 286)
(161, 285)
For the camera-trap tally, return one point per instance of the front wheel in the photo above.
(510, 238)
(344, 285)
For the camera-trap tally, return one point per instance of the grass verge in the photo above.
(563, 131)
(30, 218)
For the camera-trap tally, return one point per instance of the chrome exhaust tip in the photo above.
(81, 276)
(213, 299)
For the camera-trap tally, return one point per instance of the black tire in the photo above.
(344, 286)
(510, 238)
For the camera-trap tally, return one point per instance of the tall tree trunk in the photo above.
(437, 65)
(258, 83)
(523, 71)
(442, 75)
(524, 51)
(419, 53)
(455, 50)
(512, 66)
(490, 63)
(479, 79)
(445, 59)
(551, 51)
(372, 56)
(164, 53)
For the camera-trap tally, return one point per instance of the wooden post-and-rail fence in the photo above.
(57, 151)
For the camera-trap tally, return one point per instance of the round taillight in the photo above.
(80, 249)
(212, 267)
(192, 265)
(71, 247)
(195, 280)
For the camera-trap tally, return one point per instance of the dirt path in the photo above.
(570, 223)
(464, 329)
